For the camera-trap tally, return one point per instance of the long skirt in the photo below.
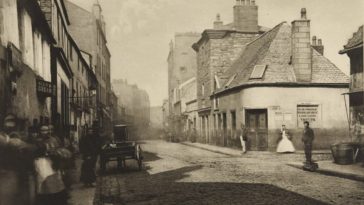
(88, 174)
(59, 198)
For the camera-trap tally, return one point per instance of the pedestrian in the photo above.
(285, 145)
(90, 149)
(243, 138)
(50, 186)
(14, 166)
(307, 139)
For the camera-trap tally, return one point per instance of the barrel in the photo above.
(344, 154)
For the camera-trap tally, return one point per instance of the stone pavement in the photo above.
(179, 174)
(323, 157)
(79, 194)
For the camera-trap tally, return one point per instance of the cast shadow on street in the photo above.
(163, 188)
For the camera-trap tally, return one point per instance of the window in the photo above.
(233, 120)
(216, 103)
(182, 69)
(203, 89)
(258, 72)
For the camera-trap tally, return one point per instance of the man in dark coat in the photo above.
(90, 149)
(307, 139)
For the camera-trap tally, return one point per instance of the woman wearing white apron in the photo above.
(50, 186)
(285, 145)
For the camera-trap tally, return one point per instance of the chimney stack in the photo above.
(301, 48)
(318, 46)
(218, 24)
(314, 41)
(246, 16)
(96, 10)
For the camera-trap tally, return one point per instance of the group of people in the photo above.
(285, 145)
(41, 154)
(46, 157)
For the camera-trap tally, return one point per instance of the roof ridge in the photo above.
(78, 6)
(266, 33)
(228, 83)
(329, 61)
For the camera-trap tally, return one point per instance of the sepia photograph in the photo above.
(164, 102)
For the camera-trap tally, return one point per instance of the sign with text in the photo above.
(310, 113)
(44, 88)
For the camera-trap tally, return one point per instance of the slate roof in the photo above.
(355, 41)
(273, 49)
(230, 26)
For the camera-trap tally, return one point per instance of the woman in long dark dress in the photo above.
(89, 148)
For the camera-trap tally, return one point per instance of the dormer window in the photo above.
(258, 72)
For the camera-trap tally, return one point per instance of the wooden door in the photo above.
(257, 124)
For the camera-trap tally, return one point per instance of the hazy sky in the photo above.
(139, 31)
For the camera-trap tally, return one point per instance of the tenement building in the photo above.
(182, 66)
(265, 78)
(354, 50)
(92, 23)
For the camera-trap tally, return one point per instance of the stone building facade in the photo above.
(264, 78)
(25, 82)
(92, 23)
(26, 43)
(181, 63)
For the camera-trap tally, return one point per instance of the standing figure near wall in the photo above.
(285, 145)
(243, 138)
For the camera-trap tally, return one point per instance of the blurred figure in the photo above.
(13, 164)
(243, 138)
(50, 186)
(90, 149)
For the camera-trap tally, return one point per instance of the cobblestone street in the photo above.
(179, 174)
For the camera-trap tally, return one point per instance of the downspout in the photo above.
(347, 115)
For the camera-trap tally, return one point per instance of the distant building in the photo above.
(354, 49)
(135, 103)
(165, 109)
(181, 63)
(264, 78)
(156, 117)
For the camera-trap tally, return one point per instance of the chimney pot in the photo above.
(303, 13)
(320, 42)
(218, 17)
(314, 40)
(252, 2)
(238, 2)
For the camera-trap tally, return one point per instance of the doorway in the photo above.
(256, 121)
